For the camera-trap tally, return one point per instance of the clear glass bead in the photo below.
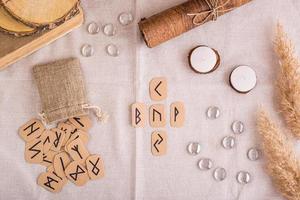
(194, 148)
(93, 28)
(112, 50)
(87, 50)
(219, 174)
(213, 112)
(243, 177)
(254, 154)
(109, 30)
(238, 127)
(228, 142)
(125, 18)
(205, 164)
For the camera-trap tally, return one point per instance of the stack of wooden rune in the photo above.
(63, 151)
(27, 17)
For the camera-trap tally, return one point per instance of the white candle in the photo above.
(243, 79)
(204, 59)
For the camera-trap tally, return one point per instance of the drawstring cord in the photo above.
(101, 116)
(43, 117)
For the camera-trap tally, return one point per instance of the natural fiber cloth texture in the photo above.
(61, 88)
(242, 37)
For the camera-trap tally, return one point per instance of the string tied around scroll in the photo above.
(213, 13)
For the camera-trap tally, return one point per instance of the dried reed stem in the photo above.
(288, 82)
(282, 165)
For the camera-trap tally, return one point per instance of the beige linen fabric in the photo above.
(62, 89)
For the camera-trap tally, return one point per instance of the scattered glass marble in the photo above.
(112, 50)
(125, 18)
(93, 28)
(243, 177)
(253, 154)
(228, 142)
(194, 148)
(87, 50)
(237, 127)
(219, 174)
(109, 29)
(213, 112)
(205, 164)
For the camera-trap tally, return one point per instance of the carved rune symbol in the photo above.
(73, 132)
(79, 170)
(156, 88)
(57, 139)
(95, 169)
(45, 159)
(157, 112)
(158, 142)
(176, 114)
(62, 163)
(76, 149)
(137, 116)
(47, 140)
(77, 119)
(31, 128)
(49, 181)
(35, 150)
(64, 130)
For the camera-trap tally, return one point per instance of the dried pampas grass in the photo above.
(288, 82)
(282, 165)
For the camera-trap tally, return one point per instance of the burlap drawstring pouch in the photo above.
(62, 91)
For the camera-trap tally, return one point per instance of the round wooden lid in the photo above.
(10, 25)
(39, 12)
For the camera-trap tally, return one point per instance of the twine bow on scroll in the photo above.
(213, 13)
